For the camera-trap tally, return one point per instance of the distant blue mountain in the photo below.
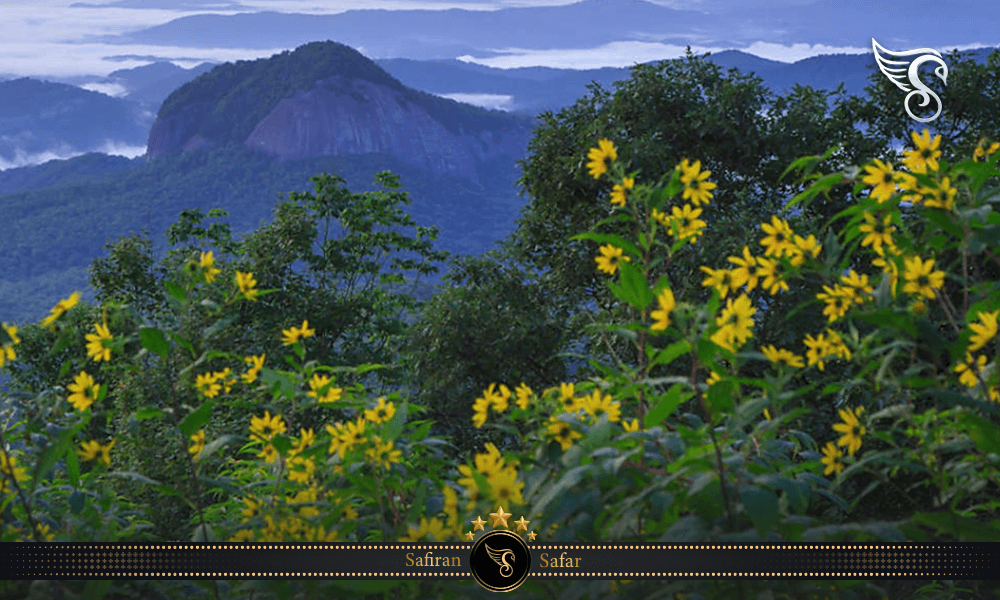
(39, 117)
(444, 34)
(535, 89)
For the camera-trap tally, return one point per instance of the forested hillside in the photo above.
(61, 229)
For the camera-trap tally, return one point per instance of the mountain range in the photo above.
(239, 135)
(433, 34)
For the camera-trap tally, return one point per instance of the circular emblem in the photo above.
(500, 561)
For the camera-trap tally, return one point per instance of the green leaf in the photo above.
(197, 418)
(966, 529)
(821, 185)
(53, 452)
(217, 443)
(943, 220)
(282, 443)
(73, 468)
(153, 340)
(985, 435)
(667, 405)
(76, 502)
(720, 398)
(797, 492)
(667, 355)
(706, 350)
(762, 508)
(569, 479)
(610, 238)
(634, 286)
(394, 426)
(167, 490)
(176, 291)
(148, 413)
(183, 343)
(599, 433)
(277, 379)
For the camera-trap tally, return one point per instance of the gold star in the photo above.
(469, 535)
(500, 517)
(479, 522)
(522, 524)
(531, 536)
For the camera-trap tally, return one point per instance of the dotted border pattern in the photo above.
(918, 549)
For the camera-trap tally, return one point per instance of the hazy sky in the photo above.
(43, 37)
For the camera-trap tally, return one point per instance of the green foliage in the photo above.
(488, 324)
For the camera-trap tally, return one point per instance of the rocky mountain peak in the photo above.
(325, 99)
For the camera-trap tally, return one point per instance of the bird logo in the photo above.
(500, 558)
(910, 82)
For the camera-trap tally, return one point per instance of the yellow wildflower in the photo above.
(926, 153)
(608, 261)
(290, 336)
(618, 192)
(882, 177)
(247, 285)
(264, 428)
(60, 309)
(207, 263)
(942, 196)
(743, 272)
(428, 527)
(878, 232)
(851, 429)
(91, 448)
(197, 444)
(7, 349)
(921, 279)
(968, 374)
(832, 459)
(523, 395)
(983, 151)
(563, 433)
(381, 413)
(256, 364)
(780, 237)
(382, 454)
(696, 189)
(598, 165)
(661, 317)
(769, 269)
(207, 385)
(724, 280)
(804, 246)
(505, 488)
(984, 331)
(96, 346)
(686, 220)
(84, 391)
(776, 356)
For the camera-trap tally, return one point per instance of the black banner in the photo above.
(455, 561)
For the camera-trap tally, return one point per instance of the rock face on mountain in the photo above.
(340, 116)
(354, 107)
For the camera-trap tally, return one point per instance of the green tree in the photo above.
(490, 324)
(344, 261)
(663, 113)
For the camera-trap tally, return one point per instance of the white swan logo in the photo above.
(500, 558)
(894, 69)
